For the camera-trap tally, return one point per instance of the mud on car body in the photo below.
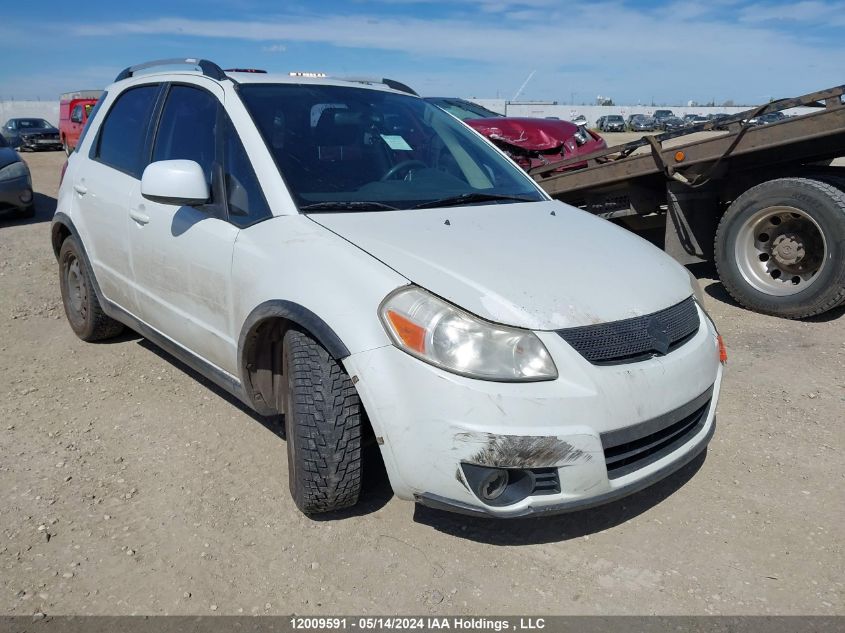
(352, 257)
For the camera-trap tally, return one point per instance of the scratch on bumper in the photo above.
(521, 451)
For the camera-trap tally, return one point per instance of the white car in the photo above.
(350, 256)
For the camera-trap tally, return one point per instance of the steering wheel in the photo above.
(401, 166)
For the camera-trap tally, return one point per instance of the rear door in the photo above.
(102, 188)
(182, 255)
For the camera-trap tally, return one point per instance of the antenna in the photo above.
(522, 87)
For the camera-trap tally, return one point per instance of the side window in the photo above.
(187, 128)
(247, 204)
(76, 115)
(124, 131)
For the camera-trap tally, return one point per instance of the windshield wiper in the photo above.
(467, 198)
(348, 205)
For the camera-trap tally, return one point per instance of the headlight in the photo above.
(582, 136)
(445, 336)
(15, 170)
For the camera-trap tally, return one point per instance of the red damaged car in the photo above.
(530, 142)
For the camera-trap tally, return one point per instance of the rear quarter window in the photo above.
(123, 134)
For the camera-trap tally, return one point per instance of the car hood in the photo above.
(8, 156)
(38, 130)
(540, 265)
(527, 133)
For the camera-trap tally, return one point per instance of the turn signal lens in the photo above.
(723, 351)
(412, 335)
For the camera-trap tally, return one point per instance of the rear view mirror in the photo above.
(176, 182)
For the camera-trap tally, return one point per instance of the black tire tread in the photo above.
(323, 427)
(833, 186)
(98, 326)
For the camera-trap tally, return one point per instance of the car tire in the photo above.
(802, 219)
(82, 308)
(323, 423)
(66, 147)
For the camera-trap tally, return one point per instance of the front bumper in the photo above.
(37, 144)
(15, 195)
(430, 423)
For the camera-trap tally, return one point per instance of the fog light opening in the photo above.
(26, 196)
(494, 484)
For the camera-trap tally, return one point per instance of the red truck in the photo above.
(74, 108)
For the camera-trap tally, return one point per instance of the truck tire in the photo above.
(82, 308)
(65, 146)
(780, 247)
(323, 420)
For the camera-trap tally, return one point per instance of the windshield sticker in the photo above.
(396, 142)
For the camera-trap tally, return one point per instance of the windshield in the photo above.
(355, 149)
(463, 109)
(32, 124)
(615, 118)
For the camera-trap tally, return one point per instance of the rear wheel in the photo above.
(323, 420)
(83, 310)
(780, 247)
(65, 146)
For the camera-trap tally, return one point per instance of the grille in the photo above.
(636, 339)
(634, 447)
(546, 481)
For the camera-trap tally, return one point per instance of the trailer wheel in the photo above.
(780, 247)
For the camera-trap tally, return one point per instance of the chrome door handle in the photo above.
(139, 216)
(80, 189)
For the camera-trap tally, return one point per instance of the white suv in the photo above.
(350, 256)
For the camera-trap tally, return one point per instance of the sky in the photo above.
(647, 51)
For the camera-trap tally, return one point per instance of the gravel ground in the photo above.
(128, 485)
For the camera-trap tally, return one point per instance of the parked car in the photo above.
(640, 123)
(349, 255)
(31, 134)
(669, 124)
(579, 119)
(694, 119)
(766, 119)
(74, 108)
(16, 199)
(717, 118)
(529, 142)
(612, 123)
(660, 115)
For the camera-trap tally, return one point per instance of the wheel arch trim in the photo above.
(294, 314)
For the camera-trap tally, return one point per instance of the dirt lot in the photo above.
(129, 486)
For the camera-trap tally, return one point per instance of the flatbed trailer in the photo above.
(763, 202)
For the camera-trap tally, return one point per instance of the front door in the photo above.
(182, 256)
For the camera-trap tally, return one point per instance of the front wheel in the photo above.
(780, 247)
(323, 427)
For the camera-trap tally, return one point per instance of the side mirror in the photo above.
(176, 182)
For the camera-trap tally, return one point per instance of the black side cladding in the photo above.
(635, 339)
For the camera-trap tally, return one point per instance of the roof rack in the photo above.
(390, 83)
(209, 69)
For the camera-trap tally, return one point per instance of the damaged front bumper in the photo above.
(595, 434)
